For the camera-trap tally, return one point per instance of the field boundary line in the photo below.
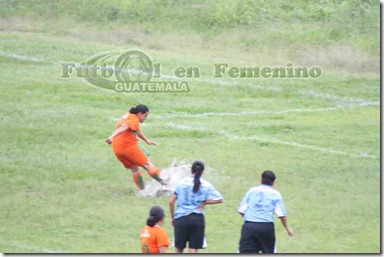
(19, 245)
(277, 112)
(267, 140)
(297, 145)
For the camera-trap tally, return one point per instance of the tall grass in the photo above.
(354, 22)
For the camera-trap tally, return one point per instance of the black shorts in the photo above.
(190, 229)
(256, 237)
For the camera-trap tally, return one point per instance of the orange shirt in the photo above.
(152, 238)
(128, 137)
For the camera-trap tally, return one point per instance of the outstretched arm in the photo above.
(284, 221)
(146, 140)
(117, 132)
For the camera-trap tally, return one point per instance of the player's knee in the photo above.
(134, 169)
(148, 166)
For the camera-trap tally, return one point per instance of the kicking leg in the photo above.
(153, 171)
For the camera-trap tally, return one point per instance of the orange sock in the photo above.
(154, 172)
(138, 180)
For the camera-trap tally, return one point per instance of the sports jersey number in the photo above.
(189, 197)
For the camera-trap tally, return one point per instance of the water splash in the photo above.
(172, 175)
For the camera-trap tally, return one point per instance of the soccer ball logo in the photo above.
(133, 66)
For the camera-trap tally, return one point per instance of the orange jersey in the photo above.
(128, 137)
(152, 238)
(126, 145)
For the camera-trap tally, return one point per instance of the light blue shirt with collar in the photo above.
(188, 201)
(260, 204)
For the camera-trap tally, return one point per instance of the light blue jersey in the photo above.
(261, 203)
(188, 201)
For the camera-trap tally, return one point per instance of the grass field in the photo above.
(62, 189)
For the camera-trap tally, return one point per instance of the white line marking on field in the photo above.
(273, 141)
(182, 127)
(206, 114)
(21, 57)
(347, 100)
(19, 245)
(276, 112)
(297, 145)
(234, 83)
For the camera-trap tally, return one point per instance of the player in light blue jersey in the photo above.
(192, 194)
(258, 208)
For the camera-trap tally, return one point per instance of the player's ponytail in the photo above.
(141, 108)
(155, 215)
(151, 221)
(197, 169)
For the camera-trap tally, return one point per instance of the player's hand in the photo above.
(149, 142)
(201, 206)
(289, 231)
(109, 140)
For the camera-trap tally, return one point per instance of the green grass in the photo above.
(62, 189)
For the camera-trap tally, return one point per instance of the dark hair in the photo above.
(268, 177)
(197, 169)
(141, 108)
(155, 214)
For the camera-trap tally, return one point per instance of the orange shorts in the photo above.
(131, 155)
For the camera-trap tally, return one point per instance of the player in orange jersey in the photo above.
(154, 238)
(126, 147)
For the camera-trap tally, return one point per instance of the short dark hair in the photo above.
(268, 177)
